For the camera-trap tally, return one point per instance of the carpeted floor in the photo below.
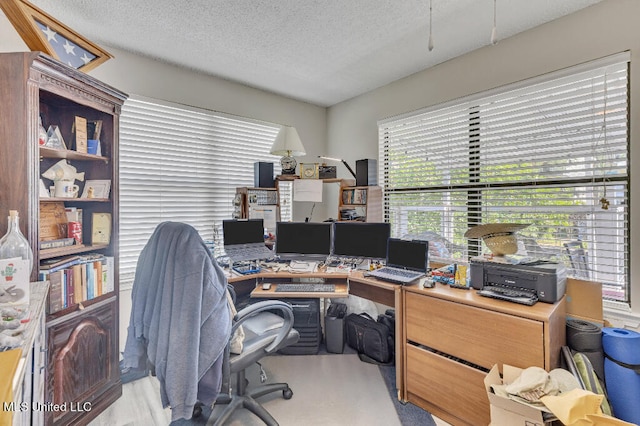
(409, 414)
(328, 389)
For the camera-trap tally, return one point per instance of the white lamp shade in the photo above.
(288, 142)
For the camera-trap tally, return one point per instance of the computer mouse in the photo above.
(266, 286)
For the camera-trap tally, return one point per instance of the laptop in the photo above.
(406, 261)
(244, 240)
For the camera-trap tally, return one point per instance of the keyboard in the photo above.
(306, 288)
(401, 276)
(510, 294)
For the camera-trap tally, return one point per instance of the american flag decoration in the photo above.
(66, 50)
(44, 33)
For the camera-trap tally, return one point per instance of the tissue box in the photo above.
(507, 412)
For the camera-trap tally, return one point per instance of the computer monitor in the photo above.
(242, 231)
(361, 239)
(303, 240)
(413, 255)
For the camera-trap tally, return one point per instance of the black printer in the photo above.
(548, 280)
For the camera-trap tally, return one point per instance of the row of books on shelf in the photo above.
(354, 196)
(74, 279)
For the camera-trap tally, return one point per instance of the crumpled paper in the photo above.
(580, 407)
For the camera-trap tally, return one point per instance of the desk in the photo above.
(346, 283)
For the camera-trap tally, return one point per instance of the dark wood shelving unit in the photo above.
(82, 364)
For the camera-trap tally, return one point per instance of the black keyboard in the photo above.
(305, 288)
(510, 294)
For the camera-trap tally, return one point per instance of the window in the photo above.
(551, 152)
(182, 164)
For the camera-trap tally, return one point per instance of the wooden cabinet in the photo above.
(453, 337)
(82, 339)
(362, 203)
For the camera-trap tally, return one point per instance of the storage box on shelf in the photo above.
(82, 338)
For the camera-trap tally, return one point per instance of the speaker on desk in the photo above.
(366, 172)
(263, 175)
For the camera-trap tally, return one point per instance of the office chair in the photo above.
(265, 333)
(578, 258)
(182, 324)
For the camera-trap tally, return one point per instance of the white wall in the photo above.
(601, 30)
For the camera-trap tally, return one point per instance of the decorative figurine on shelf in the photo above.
(63, 171)
(64, 176)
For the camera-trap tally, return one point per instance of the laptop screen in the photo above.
(412, 255)
(243, 231)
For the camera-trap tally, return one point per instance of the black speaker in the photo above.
(366, 172)
(263, 175)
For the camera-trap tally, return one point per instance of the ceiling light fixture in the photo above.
(494, 39)
(430, 26)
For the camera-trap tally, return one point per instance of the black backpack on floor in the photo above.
(373, 340)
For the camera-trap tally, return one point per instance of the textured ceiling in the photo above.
(322, 52)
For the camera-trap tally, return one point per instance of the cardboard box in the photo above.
(505, 411)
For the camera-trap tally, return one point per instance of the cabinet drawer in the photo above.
(454, 388)
(480, 336)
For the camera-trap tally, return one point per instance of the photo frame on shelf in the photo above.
(38, 30)
(100, 228)
(96, 189)
(80, 131)
(309, 170)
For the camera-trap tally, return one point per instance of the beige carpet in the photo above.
(327, 390)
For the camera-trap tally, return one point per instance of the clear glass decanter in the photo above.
(14, 244)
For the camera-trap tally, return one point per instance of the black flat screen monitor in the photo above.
(412, 255)
(360, 239)
(242, 231)
(303, 240)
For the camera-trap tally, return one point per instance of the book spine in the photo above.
(108, 271)
(55, 291)
(77, 284)
(97, 266)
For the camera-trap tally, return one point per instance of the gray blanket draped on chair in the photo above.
(180, 319)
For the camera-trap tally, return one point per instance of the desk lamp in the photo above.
(288, 144)
(343, 162)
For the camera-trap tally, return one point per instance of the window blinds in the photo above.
(551, 152)
(182, 164)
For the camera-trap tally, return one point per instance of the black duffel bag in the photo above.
(372, 340)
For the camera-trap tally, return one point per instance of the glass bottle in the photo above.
(14, 244)
(42, 133)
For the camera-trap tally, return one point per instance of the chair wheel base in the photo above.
(287, 393)
(197, 410)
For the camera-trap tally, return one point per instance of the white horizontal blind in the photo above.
(182, 164)
(544, 152)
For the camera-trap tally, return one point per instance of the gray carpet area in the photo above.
(328, 389)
